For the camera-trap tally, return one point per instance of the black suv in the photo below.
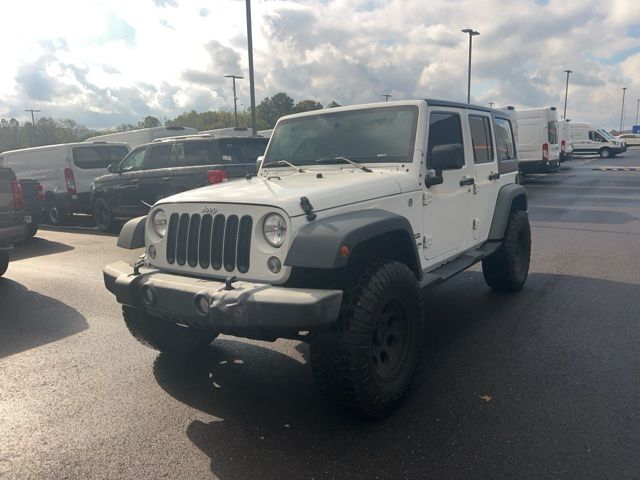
(168, 166)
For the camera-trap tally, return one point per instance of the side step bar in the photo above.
(445, 272)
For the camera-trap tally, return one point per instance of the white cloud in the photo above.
(124, 59)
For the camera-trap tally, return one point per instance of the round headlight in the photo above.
(274, 229)
(159, 222)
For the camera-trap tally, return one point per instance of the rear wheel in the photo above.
(164, 335)
(56, 215)
(507, 269)
(604, 153)
(32, 230)
(4, 262)
(368, 359)
(103, 215)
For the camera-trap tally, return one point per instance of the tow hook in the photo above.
(141, 262)
(228, 282)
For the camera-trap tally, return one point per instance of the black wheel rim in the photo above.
(103, 216)
(390, 340)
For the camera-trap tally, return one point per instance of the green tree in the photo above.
(306, 106)
(149, 122)
(333, 104)
(272, 108)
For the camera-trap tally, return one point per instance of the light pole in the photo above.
(566, 93)
(624, 92)
(491, 104)
(472, 33)
(252, 88)
(33, 124)
(235, 98)
(386, 96)
(637, 108)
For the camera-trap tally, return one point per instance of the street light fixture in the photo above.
(624, 92)
(235, 98)
(386, 96)
(491, 104)
(33, 123)
(472, 33)
(566, 93)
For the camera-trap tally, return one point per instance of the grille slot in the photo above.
(210, 241)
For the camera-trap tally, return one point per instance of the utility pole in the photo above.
(235, 98)
(386, 96)
(252, 88)
(472, 33)
(637, 108)
(566, 93)
(491, 104)
(33, 124)
(624, 92)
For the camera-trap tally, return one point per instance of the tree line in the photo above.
(48, 131)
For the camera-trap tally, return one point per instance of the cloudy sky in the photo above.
(105, 62)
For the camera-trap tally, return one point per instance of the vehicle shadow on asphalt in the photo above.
(511, 386)
(29, 319)
(38, 247)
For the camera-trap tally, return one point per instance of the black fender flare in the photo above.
(132, 233)
(317, 244)
(507, 196)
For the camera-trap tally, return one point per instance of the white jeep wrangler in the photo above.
(354, 213)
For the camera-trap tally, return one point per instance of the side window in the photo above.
(504, 140)
(159, 157)
(133, 162)
(242, 151)
(195, 153)
(595, 136)
(481, 138)
(445, 131)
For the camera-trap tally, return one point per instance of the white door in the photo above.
(446, 207)
(487, 178)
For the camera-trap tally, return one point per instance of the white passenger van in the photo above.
(65, 172)
(538, 142)
(135, 138)
(566, 148)
(589, 140)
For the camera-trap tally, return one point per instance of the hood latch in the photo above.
(307, 208)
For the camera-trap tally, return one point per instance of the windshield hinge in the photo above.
(426, 198)
(307, 208)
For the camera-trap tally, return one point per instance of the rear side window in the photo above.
(159, 157)
(242, 150)
(481, 138)
(445, 129)
(553, 132)
(98, 156)
(191, 154)
(504, 140)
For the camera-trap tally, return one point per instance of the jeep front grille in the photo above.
(211, 241)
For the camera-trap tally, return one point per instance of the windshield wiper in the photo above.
(280, 162)
(331, 158)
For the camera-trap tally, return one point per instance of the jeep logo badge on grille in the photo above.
(208, 210)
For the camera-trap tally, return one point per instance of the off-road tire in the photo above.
(103, 215)
(381, 304)
(605, 153)
(56, 215)
(506, 270)
(32, 229)
(164, 335)
(4, 262)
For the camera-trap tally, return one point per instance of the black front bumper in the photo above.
(539, 166)
(247, 307)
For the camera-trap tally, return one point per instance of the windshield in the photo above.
(374, 135)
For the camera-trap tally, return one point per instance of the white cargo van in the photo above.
(135, 138)
(566, 148)
(589, 140)
(66, 172)
(538, 142)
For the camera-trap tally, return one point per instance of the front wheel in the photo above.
(103, 215)
(507, 269)
(32, 229)
(164, 335)
(368, 359)
(4, 262)
(604, 153)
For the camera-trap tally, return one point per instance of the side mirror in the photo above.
(112, 168)
(448, 156)
(259, 161)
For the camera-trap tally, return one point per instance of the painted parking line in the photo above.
(619, 169)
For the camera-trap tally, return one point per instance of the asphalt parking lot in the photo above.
(542, 384)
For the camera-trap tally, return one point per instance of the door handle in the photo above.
(467, 181)
(166, 179)
(494, 176)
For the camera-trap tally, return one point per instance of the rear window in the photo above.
(98, 156)
(242, 150)
(553, 132)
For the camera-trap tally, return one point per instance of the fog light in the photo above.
(274, 264)
(202, 305)
(148, 296)
(152, 251)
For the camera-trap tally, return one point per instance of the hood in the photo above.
(283, 189)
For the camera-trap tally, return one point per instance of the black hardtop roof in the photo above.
(433, 102)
